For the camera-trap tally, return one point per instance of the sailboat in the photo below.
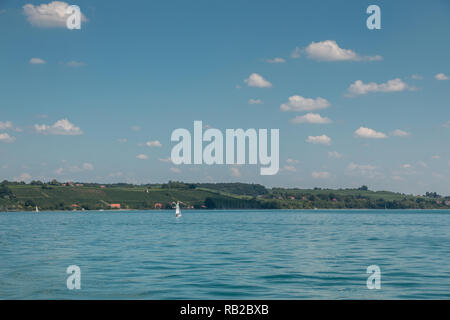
(177, 210)
(37, 209)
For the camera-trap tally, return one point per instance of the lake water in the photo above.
(320, 254)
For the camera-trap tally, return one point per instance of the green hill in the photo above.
(57, 196)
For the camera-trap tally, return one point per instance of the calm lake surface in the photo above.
(320, 254)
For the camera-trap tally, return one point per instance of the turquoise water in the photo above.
(319, 254)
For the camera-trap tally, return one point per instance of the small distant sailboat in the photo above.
(37, 209)
(177, 210)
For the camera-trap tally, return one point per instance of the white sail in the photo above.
(177, 210)
(37, 209)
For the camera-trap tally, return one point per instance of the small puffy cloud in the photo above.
(329, 50)
(37, 61)
(87, 166)
(75, 64)
(296, 53)
(354, 166)
(165, 159)
(275, 60)
(4, 137)
(175, 170)
(447, 124)
(298, 103)
(152, 144)
(361, 88)
(122, 140)
(52, 15)
(314, 118)
(406, 166)
(441, 76)
(400, 133)
(6, 125)
(323, 139)
(142, 156)
(363, 169)
(60, 127)
(334, 154)
(289, 168)
(256, 80)
(417, 77)
(368, 133)
(234, 172)
(25, 177)
(255, 101)
(136, 128)
(320, 174)
(436, 157)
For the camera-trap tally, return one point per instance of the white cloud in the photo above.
(299, 104)
(142, 156)
(37, 61)
(447, 124)
(296, 53)
(60, 127)
(417, 77)
(275, 60)
(314, 118)
(122, 140)
(400, 133)
(6, 125)
(52, 15)
(289, 168)
(256, 80)
(135, 128)
(165, 159)
(155, 143)
(59, 171)
(334, 154)
(354, 166)
(87, 166)
(235, 172)
(255, 101)
(175, 170)
(368, 133)
(75, 64)
(360, 88)
(330, 51)
(406, 166)
(436, 157)
(363, 169)
(4, 137)
(323, 139)
(320, 174)
(23, 177)
(441, 76)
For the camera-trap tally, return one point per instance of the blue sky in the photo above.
(137, 70)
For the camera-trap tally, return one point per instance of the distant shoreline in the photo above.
(74, 196)
(218, 210)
